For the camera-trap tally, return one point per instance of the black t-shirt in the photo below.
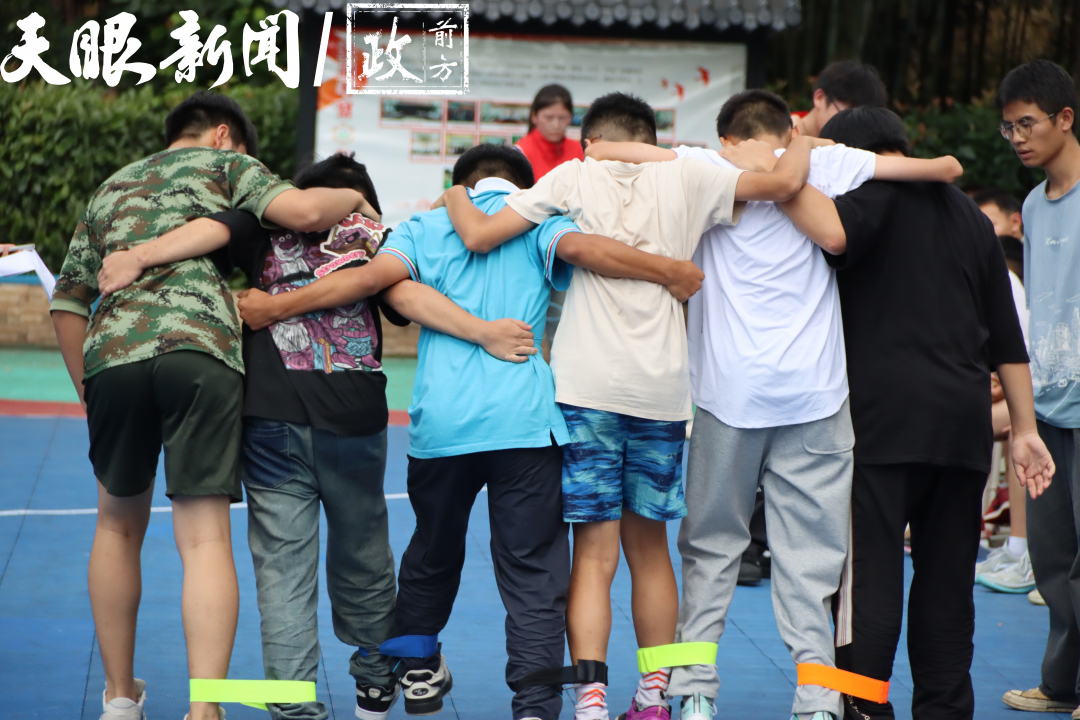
(322, 369)
(928, 312)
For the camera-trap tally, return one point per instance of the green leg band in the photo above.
(255, 693)
(691, 653)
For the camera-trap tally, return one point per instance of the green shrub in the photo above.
(61, 142)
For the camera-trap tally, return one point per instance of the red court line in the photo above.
(36, 408)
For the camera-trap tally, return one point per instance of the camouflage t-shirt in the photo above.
(180, 306)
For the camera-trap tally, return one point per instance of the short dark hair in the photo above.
(550, 95)
(1014, 253)
(852, 83)
(751, 113)
(996, 196)
(204, 110)
(1041, 82)
(486, 160)
(621, 111)
(868, 128)
(339, 170)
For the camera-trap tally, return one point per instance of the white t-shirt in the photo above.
(765, 333)
(621, 343)
(1020, 299)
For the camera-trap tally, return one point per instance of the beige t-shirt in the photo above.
(621, 344)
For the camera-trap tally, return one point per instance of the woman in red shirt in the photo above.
(546, 145)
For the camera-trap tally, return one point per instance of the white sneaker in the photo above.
(1036, 598)
(220, 712)
(122, 708)
(819, 715)
(998, 559)
(1015, 578)
(697, 707)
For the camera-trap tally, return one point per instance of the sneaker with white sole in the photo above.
(1016, 578)
(423, 687)
(697, 707)
(220, 714)
(1035, 598)
(998, 559)
(819, 715)
(373, 702)
(1034, 701)
(122, 708)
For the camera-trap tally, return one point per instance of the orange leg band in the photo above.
(843, 681)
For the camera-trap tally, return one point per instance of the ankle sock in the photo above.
(652, 689)
(591, 702)
(1017, 546)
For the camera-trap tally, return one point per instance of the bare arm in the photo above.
(894, 167)
(315, 208)
(507, 339)
(479, 231)
(192, 239)
(612, 258)
(343, 287)
(629, 152)
(1034, 466)
(816, 217)
(71, 334)
(786, 178)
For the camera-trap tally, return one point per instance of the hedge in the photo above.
(61, 142)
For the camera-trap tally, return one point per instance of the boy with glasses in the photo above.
(1038, 107)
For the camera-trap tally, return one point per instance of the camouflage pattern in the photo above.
(181, 306)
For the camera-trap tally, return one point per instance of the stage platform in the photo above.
(50, 668)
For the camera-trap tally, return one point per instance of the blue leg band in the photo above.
(411, 646)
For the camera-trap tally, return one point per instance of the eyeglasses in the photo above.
(1021, 127)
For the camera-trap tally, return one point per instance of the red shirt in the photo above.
(545, 155)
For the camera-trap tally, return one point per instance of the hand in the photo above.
(257, 309)
(684, 279)
(1034, 466)
(364, 208)
(5, 248)
(508, 339)
(118, 270)
(441, 201)
(752, 155)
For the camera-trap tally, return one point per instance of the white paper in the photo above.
(26, 261)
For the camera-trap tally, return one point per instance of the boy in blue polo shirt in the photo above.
(476, 420)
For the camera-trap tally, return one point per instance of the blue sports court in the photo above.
(49, 666)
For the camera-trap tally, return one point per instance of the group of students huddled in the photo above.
(847, 306)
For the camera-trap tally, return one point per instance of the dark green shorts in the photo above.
(188, 401)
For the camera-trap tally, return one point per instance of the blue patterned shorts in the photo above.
(616, 460)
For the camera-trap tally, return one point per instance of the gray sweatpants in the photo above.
(805, 471)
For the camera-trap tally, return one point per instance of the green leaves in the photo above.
(59, 143)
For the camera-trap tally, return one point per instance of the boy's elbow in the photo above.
(955, 170)
(835, 244)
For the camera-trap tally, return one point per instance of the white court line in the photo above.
(157, 509)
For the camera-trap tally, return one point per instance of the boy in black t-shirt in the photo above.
(928, 313)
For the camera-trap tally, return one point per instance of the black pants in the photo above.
(943, 506)
(530, 549)
(1053, 524)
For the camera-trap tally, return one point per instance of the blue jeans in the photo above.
(288, 469)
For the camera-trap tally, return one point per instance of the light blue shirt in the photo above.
(1052, 285)
(464, 400)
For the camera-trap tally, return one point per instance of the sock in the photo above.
(1017, 546)
(591, 702)
(652, 689)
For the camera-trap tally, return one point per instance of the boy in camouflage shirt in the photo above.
(160, 363)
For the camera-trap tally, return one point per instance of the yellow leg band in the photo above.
(255, 693)
(692, 653)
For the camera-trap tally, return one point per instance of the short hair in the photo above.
(1014, 252)
(486, 160)
(339, 171)
(868, 128)
(204, 110)
(620, 111)
(996, 196)
(1040, 82)
(852, 83)
(751, 113)
(550, 95)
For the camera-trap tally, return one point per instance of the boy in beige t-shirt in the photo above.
(621, 372)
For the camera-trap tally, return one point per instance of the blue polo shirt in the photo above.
(464, 400)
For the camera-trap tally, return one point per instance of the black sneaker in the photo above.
(424, 684)
(749, 569)
(373, 702)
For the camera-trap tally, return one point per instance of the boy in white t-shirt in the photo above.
(621, 376)
(768, 374)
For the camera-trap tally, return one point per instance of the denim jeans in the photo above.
(288, 470)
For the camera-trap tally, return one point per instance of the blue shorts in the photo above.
(615, 460)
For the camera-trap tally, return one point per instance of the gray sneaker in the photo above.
(122, 708)
(998, 559)
(1015, 578)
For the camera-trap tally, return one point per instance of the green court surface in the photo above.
(32, 374)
